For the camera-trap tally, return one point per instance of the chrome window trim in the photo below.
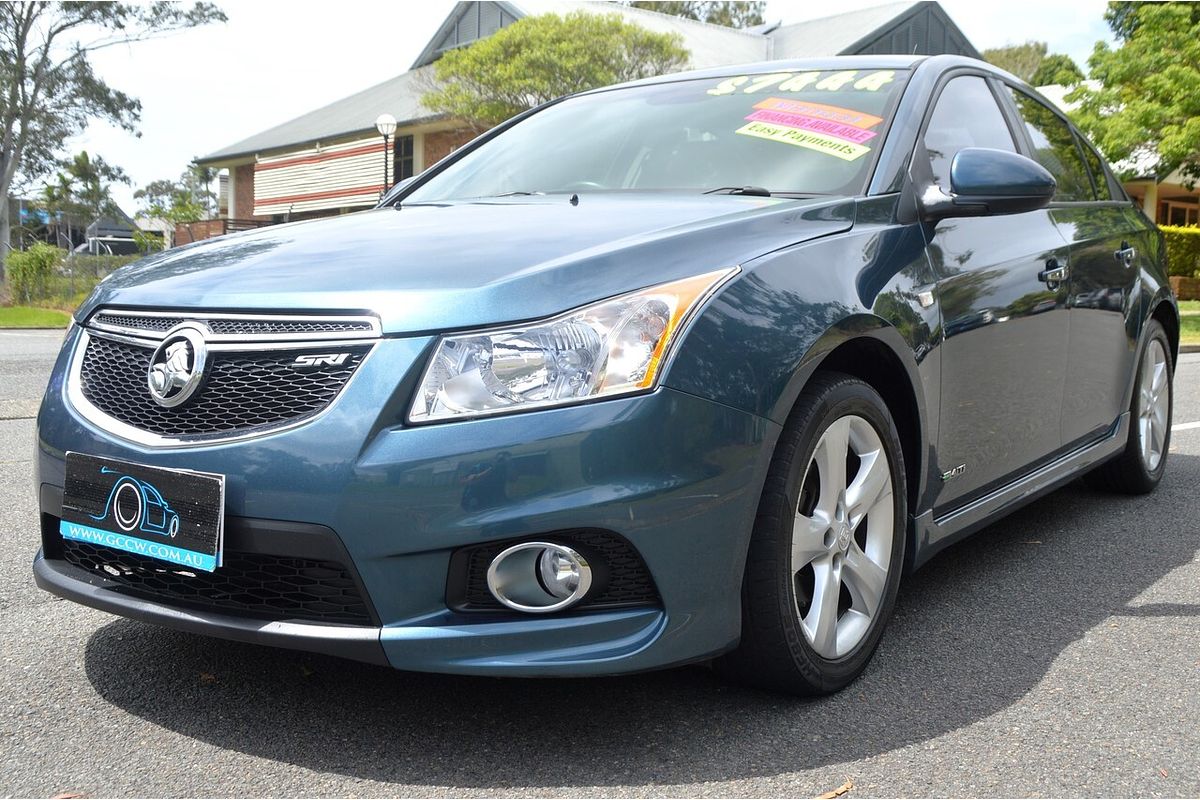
(201, 316)
(108, 424)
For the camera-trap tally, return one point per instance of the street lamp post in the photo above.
(386, 125)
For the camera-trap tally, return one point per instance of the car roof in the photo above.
(898, 61)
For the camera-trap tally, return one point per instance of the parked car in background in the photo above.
(109, 246)
(693, 368)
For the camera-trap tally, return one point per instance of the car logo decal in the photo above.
(177, 366)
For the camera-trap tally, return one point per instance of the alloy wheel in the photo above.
(842, 536)
(1154, 405)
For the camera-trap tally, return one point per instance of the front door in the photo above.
(1004, 317)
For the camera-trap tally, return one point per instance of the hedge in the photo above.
(30, 271)
(47, 276)
(1183, 250)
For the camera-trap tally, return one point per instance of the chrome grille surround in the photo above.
(237, 327)
(249, 352)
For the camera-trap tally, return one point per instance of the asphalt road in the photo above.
(1055, 654)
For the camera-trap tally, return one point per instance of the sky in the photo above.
(277, 59)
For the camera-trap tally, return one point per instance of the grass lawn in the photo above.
(27, 317)
(1189, 328)
(1189, 306)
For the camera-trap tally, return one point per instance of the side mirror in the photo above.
(985, 182)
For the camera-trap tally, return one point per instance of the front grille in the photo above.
(627, 581)
(244, 327)
(243, 391)
(157, 324)
(238, 326)
(247, 584)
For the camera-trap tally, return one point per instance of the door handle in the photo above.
(1126, 254)
(1054, 273)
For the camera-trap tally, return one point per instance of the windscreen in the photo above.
(809, 132)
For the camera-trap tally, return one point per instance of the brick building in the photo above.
(331, 160)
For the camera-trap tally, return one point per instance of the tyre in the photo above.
(1143, 462)
(827, 549)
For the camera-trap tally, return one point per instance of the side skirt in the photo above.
(933, 535)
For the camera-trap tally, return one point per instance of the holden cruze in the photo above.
(692, 368)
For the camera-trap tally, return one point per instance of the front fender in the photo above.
(756, 344)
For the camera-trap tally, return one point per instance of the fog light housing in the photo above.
(539, 577)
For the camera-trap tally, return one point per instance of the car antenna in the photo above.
(574, 200)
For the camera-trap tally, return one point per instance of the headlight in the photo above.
(608, 348)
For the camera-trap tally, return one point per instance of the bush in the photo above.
(1183, 250)
(46, 276)
(30, 272)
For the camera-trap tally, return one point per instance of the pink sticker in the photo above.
(848, 116)
(847, 132)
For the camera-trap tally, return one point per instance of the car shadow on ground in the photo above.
(974, 631)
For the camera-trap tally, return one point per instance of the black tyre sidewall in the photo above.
(844, 398)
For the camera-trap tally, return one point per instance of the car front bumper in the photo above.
(679, 477)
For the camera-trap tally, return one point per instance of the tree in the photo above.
(537, 59)
(731, 14)
(184, 200)
(1033, 64)
(59, 200)
(91, 180)
(1146, 107)
(48, 89)
(81, 192)
(1021, 60)
(1057, 69)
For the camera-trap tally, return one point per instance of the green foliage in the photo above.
(49, 277)
(30, 272)
(1033, 64)
(1021, 60)
(1057, 69)
(730, 14)
(537, 59)
(83, 190)
(1147, 107)
(1183, 250)
(92, 180)
(187, 199)
(148, 242)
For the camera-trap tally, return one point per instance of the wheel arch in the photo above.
(868, 348)
(1167, 315)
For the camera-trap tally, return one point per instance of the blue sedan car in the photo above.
(696, 368)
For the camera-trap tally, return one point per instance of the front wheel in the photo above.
(828, 544)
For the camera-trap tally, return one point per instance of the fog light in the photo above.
(539, 577)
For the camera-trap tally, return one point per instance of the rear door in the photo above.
(1093, 215)
(1004, 349)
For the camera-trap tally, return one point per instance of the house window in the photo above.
(402, 158)
(1174, 213)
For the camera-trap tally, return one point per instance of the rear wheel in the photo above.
(1143, 462)
(828, 544)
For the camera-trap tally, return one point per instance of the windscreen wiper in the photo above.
(753, 191)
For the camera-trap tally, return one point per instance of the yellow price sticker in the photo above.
(799, 81)
(838, 148)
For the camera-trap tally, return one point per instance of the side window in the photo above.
(966, 115)
(1099, 176)
(1054, 148)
